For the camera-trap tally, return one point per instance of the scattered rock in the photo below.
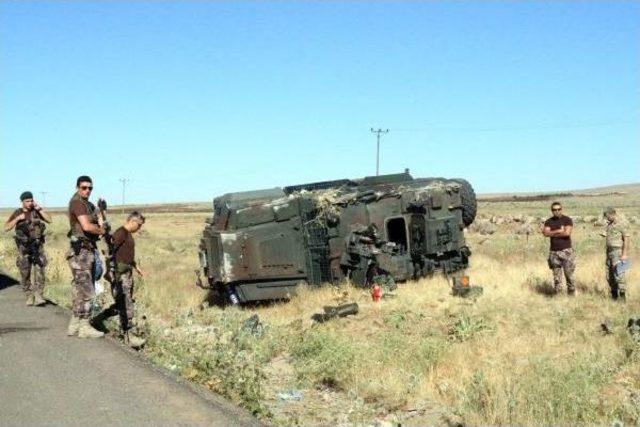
(497, 220)
(519, 218)
(483, 227)
(607, 326)
(633, 326)
(290, 395)
(253, 326)
(525, 228)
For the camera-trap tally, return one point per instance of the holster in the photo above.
(76, 245)
(123, 268)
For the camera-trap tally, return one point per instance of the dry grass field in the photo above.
(515, 355)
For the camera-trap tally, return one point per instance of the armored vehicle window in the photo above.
(397, 232)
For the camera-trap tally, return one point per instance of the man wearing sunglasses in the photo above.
(29, 222)
(561, 257)
(86, 228)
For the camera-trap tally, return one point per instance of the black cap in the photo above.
(26, 195)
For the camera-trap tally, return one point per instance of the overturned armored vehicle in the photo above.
(260, 245)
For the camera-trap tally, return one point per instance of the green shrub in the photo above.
(226, 358)
(466, 327)
(322, 357)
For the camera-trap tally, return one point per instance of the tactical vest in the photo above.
(76, 233)
(31, 229)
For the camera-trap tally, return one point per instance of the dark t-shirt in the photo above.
(124, 246)
(78, 207)
(559, 243)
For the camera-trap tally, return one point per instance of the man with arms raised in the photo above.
(29, 222)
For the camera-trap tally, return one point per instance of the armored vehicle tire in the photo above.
(469, 202)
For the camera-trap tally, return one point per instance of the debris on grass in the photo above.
(331, 312)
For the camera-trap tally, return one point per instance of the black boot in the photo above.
(614, 294)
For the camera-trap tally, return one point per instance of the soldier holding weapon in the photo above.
(29, 222)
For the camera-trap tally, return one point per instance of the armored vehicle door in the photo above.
(417, 235)
(442, 234)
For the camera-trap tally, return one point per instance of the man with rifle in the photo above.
(83, 257)
(29, 222)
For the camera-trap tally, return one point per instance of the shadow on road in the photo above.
(7, 281)
(19, 327)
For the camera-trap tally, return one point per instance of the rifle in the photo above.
(110, 273)
(33, 251)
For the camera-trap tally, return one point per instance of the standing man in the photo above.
(617, 246)
(86, 229)
(124, 248)
(561, 257)
(29, 222)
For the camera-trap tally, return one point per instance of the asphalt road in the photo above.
(47, 378)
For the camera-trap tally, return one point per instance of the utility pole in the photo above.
(44, 197)
(124, 184)
(378, 132)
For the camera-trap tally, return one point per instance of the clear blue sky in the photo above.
(189, 100)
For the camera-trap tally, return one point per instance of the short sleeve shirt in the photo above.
(78, 207)
(615, 231)
(559, 243)
(124, 246)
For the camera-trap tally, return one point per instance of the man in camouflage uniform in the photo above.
(617, 246)
(561, 256)
(29, 222)
(125, 263)
(86, 229)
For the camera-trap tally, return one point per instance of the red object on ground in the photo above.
(376, 293)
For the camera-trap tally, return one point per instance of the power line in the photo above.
(378, 133)
(124, 184)
(521, 127)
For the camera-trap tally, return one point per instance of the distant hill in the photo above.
(589, 192)
(206, 207)
(621, 188)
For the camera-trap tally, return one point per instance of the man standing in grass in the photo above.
(86, 229)
(561, 257)
(29, 222)
(617, 246)
(124, 248)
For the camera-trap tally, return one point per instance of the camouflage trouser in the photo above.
(37, 263)
(83, 290)
(559, 262)
(617, 282)
(124, 299)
